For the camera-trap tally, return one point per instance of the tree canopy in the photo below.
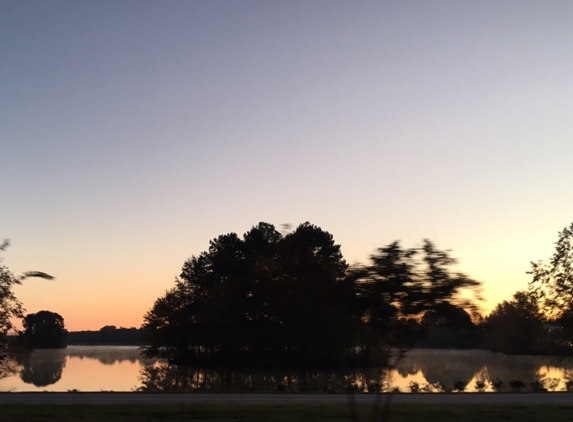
(264, 294)
(515, 326)
(404, 282)
(269, 298)
(552, 279)
(44, 330)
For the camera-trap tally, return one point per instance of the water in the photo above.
(121, 368)
(83, 368)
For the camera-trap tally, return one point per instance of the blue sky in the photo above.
(133, 132)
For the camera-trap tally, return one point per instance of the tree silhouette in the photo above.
(265, 298)
(108, 335)
(10, 310)
(398, 284)
(268, 298)
(448, 326)
(44, 330)
(552, 279)
(515, 327)
(406, 282)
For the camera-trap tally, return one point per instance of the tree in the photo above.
(272, 298)
(44, 330)
(398, 285)
(515, 327)
(401, 283)
(448, 315)
(265, 297)
(552, 279)
(448, 326)
(10, 308)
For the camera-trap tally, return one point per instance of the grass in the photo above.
(282, 413)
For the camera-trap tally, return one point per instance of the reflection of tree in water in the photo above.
(162, 377)
(8, 367)
(445, 371)
(408, 366)
(107, 355)
(42, 369)
(444, 367)
(447, 367)
(524, 368)
(441, 366)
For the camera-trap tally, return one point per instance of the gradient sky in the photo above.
(133, 132)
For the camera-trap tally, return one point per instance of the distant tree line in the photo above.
(46, 330)
(108, 335)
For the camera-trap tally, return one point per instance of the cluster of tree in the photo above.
(552, 287)
(108, 335)
(515, 327)
(269, 298)
(540, 319)
(445, 327)
(44, 330)
(275, 299)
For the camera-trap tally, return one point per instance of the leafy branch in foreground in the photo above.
(553, 278)
(10, 308)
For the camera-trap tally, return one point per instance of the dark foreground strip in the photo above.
(141, 398)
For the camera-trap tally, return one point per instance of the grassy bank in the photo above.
(283, 413)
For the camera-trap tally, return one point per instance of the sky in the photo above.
(133, 132)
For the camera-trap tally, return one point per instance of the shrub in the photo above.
(538, 386)
(496, 384)
(441, 388)
(517, 385)
(374, 387)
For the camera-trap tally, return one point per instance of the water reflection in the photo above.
(448, 368)
(43, 369)
(433, 370)
(107, 355)
(162, 377)
(83, 368)
(120, 368)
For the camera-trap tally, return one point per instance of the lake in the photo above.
(121, 368)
